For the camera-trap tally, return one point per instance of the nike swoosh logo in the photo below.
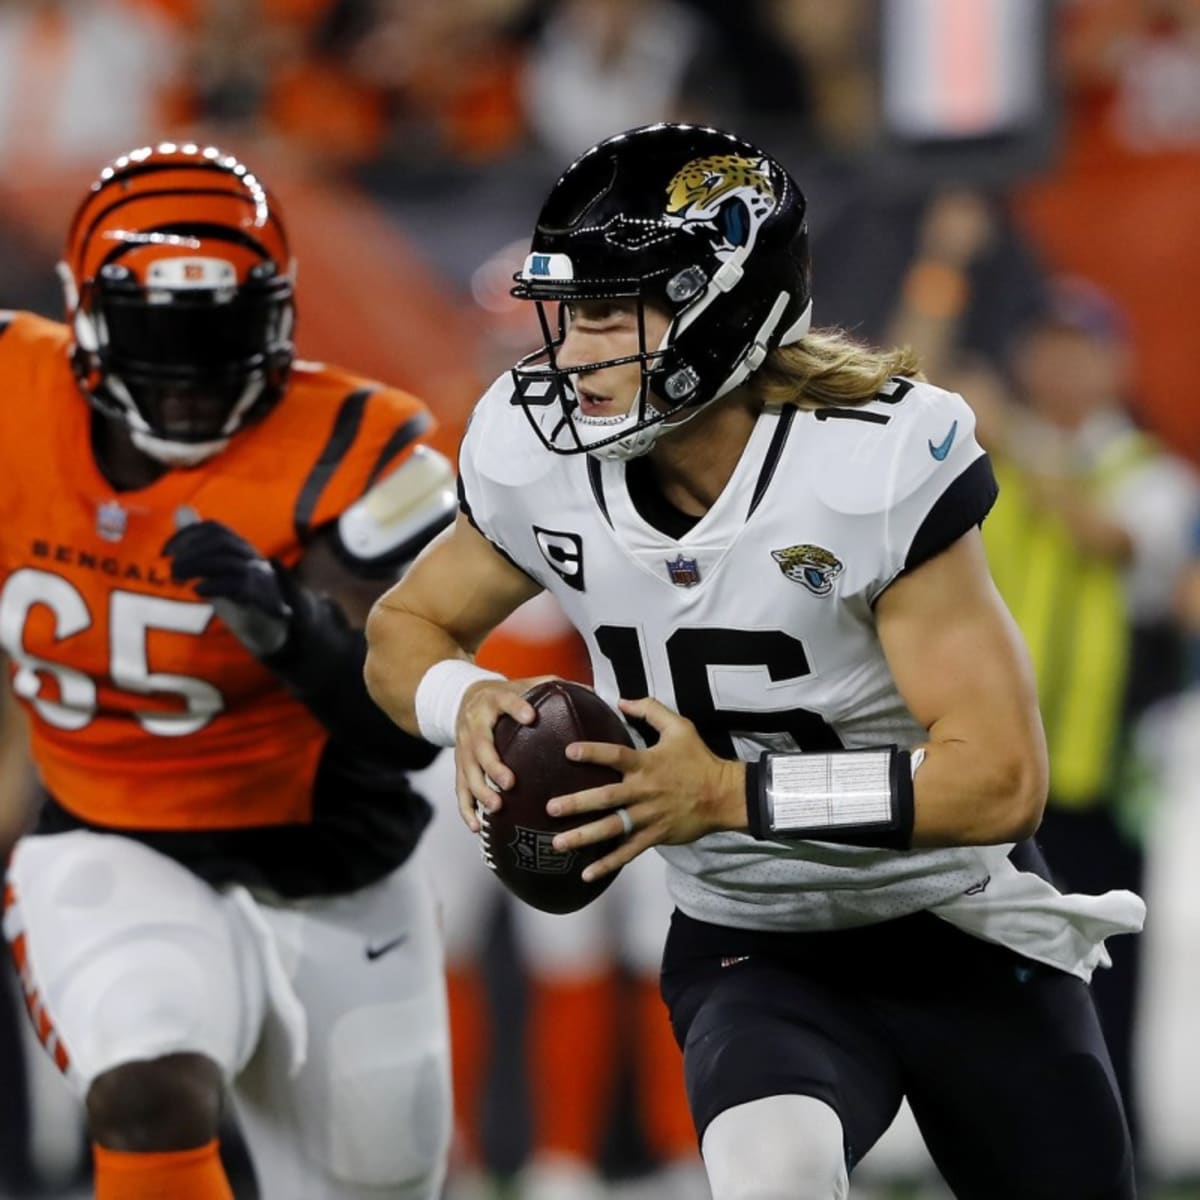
(943, 447)
(374, 952)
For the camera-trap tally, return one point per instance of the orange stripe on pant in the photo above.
(46, 1032)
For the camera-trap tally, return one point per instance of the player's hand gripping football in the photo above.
(475, 758)
(677, 791)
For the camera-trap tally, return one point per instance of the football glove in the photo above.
(248, 592)
(303, 638)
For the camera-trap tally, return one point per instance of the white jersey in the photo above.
(757, 623)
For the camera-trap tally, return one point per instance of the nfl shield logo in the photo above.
(683, 572)
(534, 851)
(111, 520)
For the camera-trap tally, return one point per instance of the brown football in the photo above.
(516, 839)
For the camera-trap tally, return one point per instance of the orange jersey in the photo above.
(146, 713)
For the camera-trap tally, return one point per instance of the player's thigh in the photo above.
(369, 1110)
(125, 955)
(1013, 1089)
(751, 1028)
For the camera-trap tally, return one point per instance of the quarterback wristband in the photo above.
(858, 797)
(439, 696)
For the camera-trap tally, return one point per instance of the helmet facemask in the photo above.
(671, 391)
(546, 392)
(185, 369)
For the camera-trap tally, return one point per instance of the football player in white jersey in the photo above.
(768, 536)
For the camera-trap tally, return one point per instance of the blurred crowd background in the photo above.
(1011, 186)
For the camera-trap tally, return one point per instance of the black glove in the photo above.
(246, 589)
(302, 637)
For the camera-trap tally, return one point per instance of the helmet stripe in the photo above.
(210, 233)
(229, 234)
(153, 168)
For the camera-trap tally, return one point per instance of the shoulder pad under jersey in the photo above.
(913, 437)
(500, 446)
(388, 526)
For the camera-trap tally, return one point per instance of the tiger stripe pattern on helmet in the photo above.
(152, 202)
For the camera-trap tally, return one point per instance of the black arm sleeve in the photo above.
(321, 664)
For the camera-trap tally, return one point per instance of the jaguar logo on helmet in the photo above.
(725, 196)
(812, 566)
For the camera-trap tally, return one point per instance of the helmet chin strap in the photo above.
(163, 450)
(176, 454)
(640, 441)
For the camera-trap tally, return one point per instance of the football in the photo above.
(517, 839)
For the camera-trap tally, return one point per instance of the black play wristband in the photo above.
(862, 802)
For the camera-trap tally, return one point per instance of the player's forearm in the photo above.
(401, 647)
(957, 795)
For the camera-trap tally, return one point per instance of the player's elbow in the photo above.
(379, 671)
(1020, 789)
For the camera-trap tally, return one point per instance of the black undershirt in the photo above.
(652, 506)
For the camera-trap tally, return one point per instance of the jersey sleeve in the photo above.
(941, 484)
(499, 466)
(373, 431)
(14, 384)
(32, 352)
(905, 476)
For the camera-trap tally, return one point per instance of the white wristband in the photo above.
(439, 695)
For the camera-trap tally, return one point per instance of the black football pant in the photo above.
(1001, 1059)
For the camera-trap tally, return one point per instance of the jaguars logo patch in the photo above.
(724, 197)
(812, 566)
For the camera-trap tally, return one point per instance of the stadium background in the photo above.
(1006, 144)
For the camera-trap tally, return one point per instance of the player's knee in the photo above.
(777, 1148)
(393, 1123)
(163, 1104)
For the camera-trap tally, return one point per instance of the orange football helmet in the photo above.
(179, 292)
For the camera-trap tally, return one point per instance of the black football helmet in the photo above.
(179, 294)
(696, 221)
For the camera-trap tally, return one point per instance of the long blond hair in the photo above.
(828, 368)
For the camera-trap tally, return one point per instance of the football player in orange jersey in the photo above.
(220, 896)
